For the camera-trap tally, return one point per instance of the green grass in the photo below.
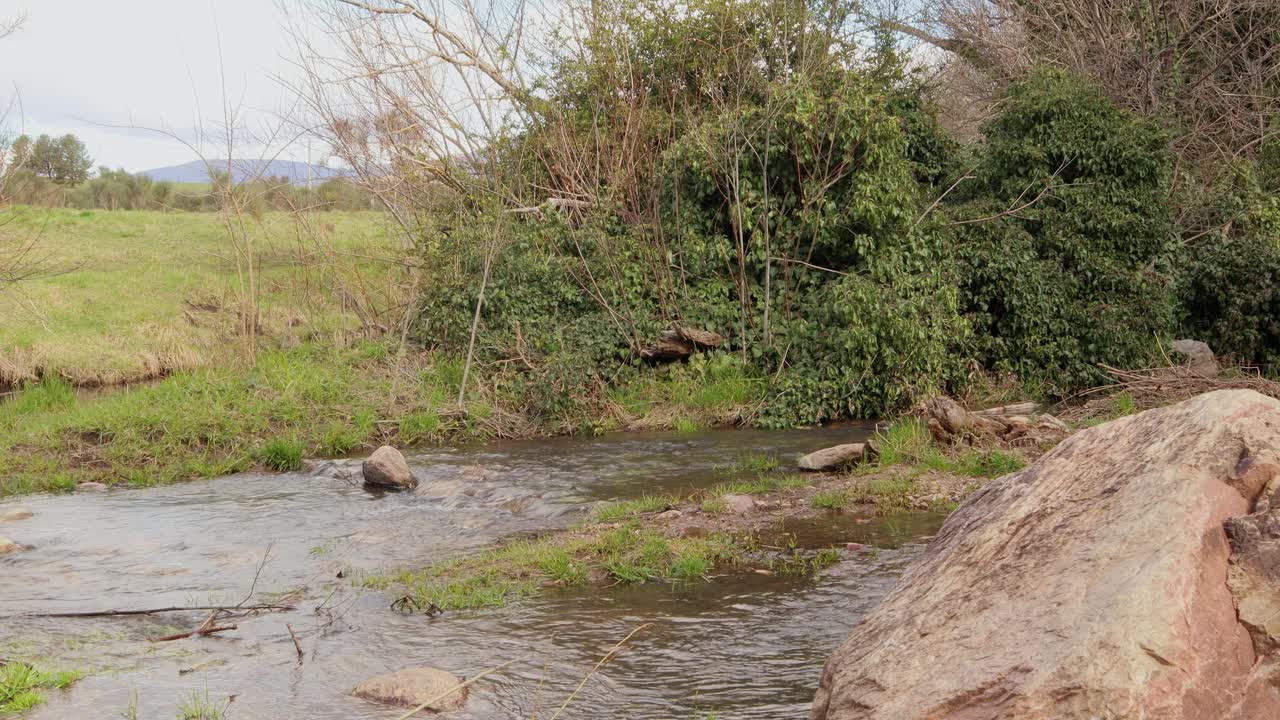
(202, 423)
(627, 554)
(284, 455)
(830, 500)
(624, 509)
(137, 294)
(761, 484)
(711, 389)
(907, 442)
(21, 685)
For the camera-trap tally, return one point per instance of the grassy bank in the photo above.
(134, 295)
(311, 400)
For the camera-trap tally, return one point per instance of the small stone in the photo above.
(387, 468)
(669, 515)
(90, 487)
(854, 546)
(739, 504)
(412, 687)
(8, 546)
(833, 458)
(15, 514)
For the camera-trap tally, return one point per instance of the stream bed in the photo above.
(744, 645)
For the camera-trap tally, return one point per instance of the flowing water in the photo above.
(744, 645)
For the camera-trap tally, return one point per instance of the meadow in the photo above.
(135, 295)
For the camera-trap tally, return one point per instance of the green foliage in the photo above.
(1063, 235)
(1229, 286)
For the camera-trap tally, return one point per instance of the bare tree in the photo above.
(19, 259)
(1208, 69)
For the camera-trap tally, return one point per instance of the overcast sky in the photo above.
(81, 66)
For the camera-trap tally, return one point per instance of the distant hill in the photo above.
(241, 170)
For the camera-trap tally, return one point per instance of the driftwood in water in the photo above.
(949, 422)
(679, 343)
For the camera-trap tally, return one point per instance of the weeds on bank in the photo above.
(907, 442)
(20, 685)
(623, 555)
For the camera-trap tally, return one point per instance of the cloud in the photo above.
(97, 68)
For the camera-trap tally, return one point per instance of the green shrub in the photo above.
(1229, 288)
(1058, 280)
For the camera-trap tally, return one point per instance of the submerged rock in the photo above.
(834, 458)
(412, 687)
(1095, 583)
(8, 546)
(387, 468)
(344, 470)
(15, 514)
(90, 487)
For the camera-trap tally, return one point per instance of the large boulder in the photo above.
(834, 458)
(412, 687)
(387, 468)
(1095, 583)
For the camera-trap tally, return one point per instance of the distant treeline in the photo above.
(121, 190)
(55, 172)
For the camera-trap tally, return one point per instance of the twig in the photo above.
(296, 645)
(152, 611)
(455, 689)
(607, 657)
(202, 630)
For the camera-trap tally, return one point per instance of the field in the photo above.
(125, 364)
(134, 295)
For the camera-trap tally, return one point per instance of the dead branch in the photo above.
(296, 645)
(157, 611)
(199, 632)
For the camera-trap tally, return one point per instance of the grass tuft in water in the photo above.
(625, 509)
(627, 554)
(199, 706)
(20, 685)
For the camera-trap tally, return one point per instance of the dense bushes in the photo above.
(1064, 233)
(1229, 285)
(796, 202)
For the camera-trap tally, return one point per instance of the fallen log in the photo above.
(679, 343)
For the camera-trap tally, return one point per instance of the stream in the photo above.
(744, 645)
